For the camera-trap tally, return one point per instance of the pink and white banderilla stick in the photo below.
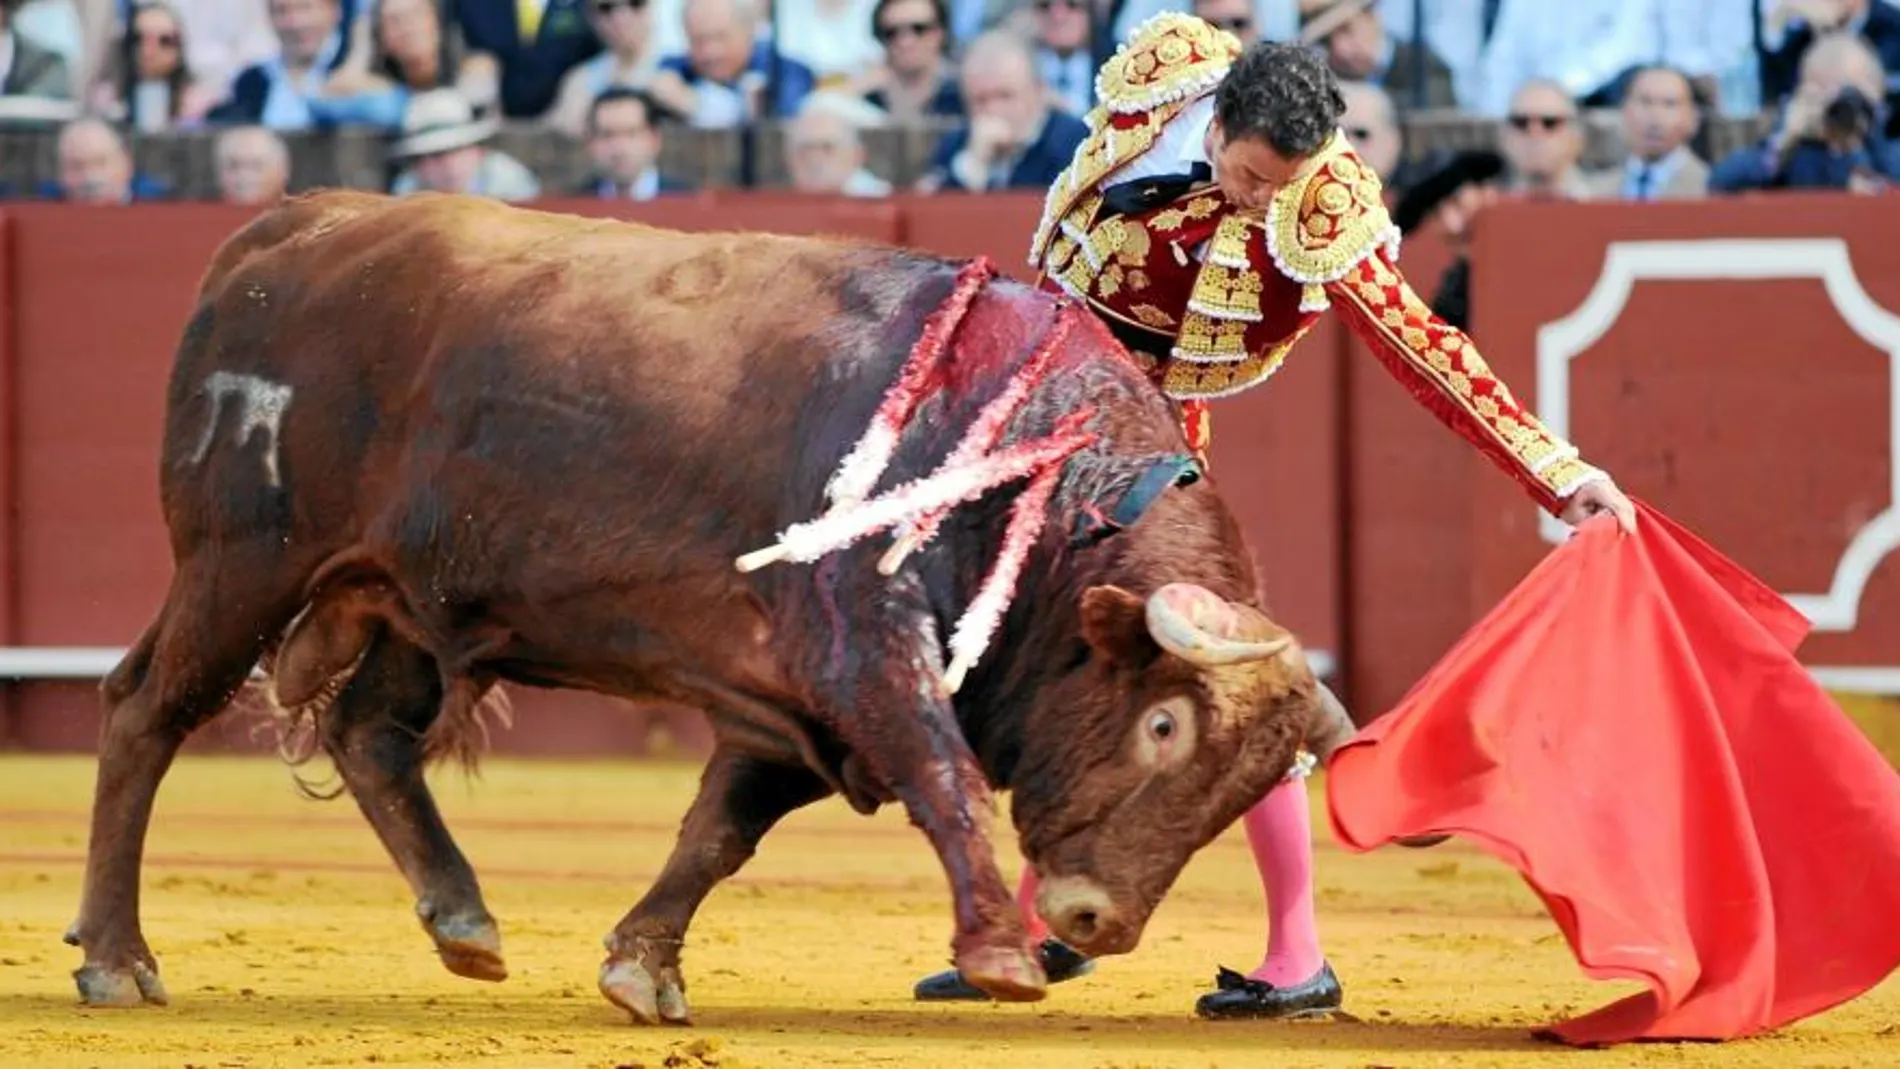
(919, 378)
(947, 487)
(983, 435)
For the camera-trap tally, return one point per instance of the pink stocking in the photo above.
(1026, 901)
(1280, 831)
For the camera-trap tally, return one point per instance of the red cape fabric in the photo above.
(1631, 732)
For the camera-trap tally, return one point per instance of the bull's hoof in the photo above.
(469, 947)
(1005, 974)
(71, 938)
(628, 985)
(1060, 962)
(125, 988)
(1421, 842)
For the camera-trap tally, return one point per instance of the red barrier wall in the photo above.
(1734, 363)
(1380, 533)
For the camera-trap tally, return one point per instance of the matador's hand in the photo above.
(1601, 495)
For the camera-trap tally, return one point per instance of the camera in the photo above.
(1849, 116)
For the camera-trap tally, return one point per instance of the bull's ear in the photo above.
(1104, 518)
(1115, 623)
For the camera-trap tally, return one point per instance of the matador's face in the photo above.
(1249, 170)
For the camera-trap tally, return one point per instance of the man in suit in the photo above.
(519, 52)
(623, 142)
(1660, 115)
(1358, 48)
(1014, 138)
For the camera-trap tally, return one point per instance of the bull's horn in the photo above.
(1172, 613)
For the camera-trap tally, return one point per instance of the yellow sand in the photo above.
(286, 938)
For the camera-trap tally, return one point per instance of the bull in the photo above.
(416, 448)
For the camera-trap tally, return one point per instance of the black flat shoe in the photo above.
(1240, 997)
(1059, 963)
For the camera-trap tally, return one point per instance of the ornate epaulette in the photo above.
(1323, 225)
(1170, 61)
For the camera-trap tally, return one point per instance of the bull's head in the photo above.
(1182, 711)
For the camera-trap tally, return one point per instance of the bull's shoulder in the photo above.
(295, 218)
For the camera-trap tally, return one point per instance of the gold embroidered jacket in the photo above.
(1236, 290)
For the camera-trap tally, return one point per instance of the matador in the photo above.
(1215, 212)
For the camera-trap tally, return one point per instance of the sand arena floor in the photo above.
(285, 937)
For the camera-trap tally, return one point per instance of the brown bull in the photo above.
(417, 447)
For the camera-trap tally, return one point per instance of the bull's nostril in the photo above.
(1083, 924)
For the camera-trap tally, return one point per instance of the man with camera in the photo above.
(1830, 133)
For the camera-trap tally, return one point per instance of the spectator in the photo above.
(161, 89)
(1541, 143)
(408, 51)
(1371, 124)
(833, 39)
(28, 69)
(95, 168)
(1660, 115)
(1791, 27)
(1830, 135)
(1584, 47)
(629, 60)
(824, 150)
(444, 147)
(623, 141)
(1014, 139)
(1359, 49)
(914, 80)
(312, 45)
(222, 37)
(519, 52)
(727, 71)
(1063, 56)
(1234, 16)
(253, 165)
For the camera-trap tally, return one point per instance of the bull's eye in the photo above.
(1165, 733)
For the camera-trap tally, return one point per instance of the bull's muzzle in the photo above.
(1080, 913)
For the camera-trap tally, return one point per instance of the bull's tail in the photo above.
(305, 675)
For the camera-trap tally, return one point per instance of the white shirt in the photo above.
(1580, 44)
(1182, 144)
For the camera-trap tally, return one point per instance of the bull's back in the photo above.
(386, 334)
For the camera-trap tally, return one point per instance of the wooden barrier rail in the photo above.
(1730, 361)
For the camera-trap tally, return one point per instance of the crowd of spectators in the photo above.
(1008, 81)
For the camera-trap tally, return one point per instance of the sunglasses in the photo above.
(162, 40)
(604, 8)
(1236, 24)
(893, 31)
(1549, 123)
(1051, 5)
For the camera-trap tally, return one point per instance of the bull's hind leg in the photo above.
(375, 735)
(181, 673)
(740, 798)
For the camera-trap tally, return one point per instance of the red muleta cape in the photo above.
(1631, 732)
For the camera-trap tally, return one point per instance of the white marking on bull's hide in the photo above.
(261, 406)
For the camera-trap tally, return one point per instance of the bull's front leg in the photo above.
(916, 747)
(740, 799)
(950, 800)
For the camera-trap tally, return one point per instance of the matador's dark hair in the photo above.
(1281, 93)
